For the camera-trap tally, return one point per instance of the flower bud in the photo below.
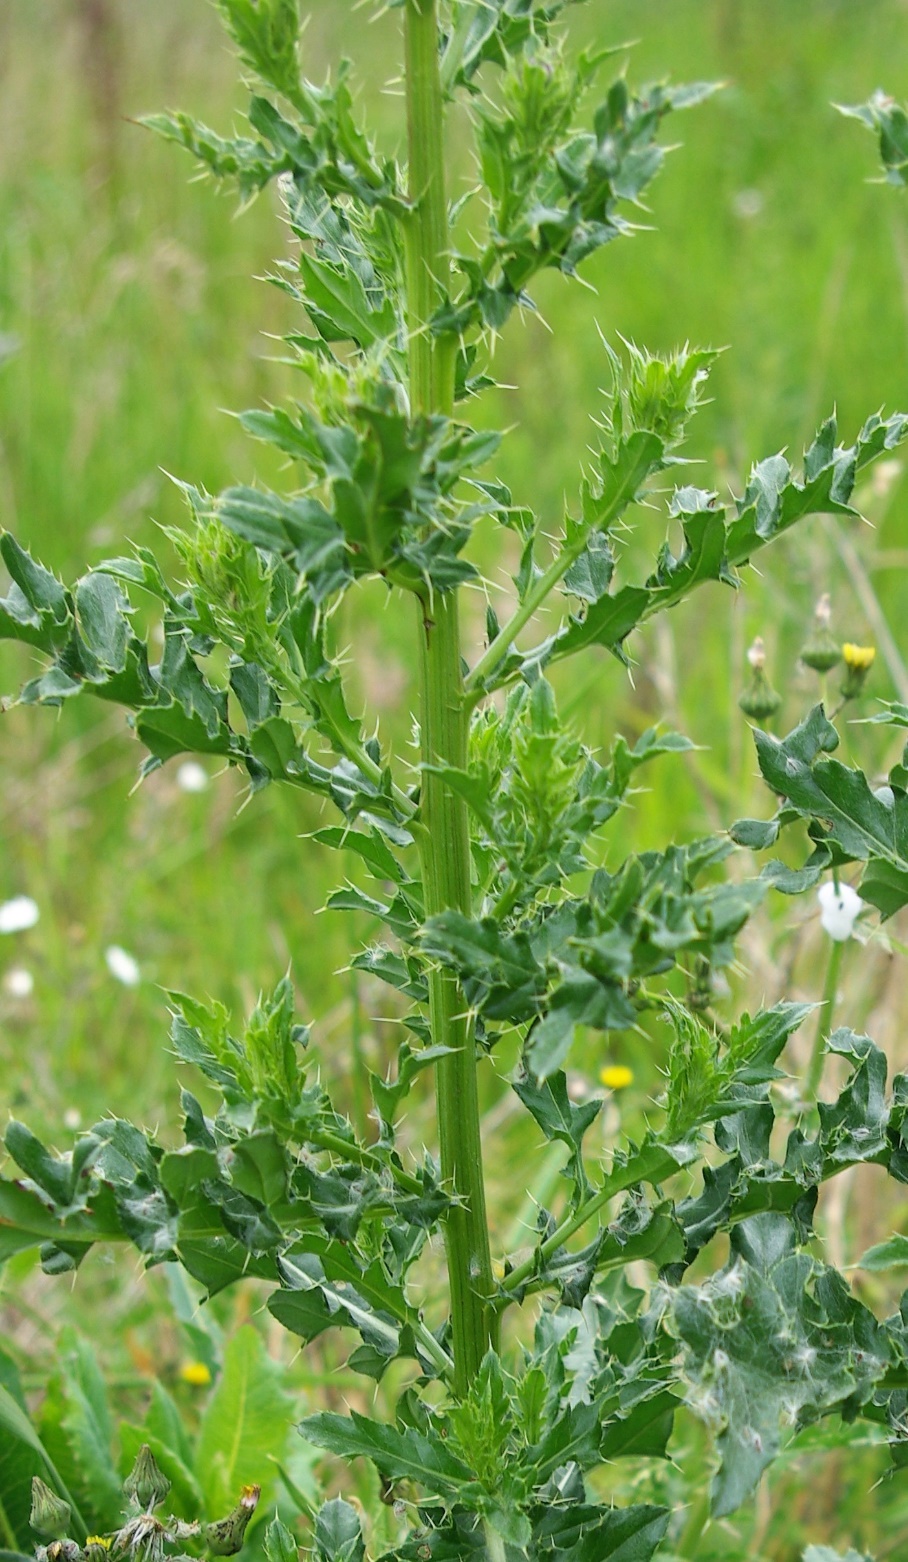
(146, 1484)
(759, 700)
(225, 1537)
(858, 662)
(820, 650)
(50, 1515)
(59, 1551)
(97, 1548)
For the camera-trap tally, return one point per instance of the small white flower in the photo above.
(18, 983)
(192, 777)
(123, 966)
(839, 907)
(18, 914)
(72, 1118)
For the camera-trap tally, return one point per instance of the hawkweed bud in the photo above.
(97, 1548)
(225, 1537)
(146, 1485)
(50, 1515)
(820, 650)
(759, 700)
(858, 661)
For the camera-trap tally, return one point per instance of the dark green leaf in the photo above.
(405, 1454)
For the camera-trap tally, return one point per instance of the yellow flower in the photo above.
(858, 662)
(196, 1373)
(616, 1076)
(859, 657)
(99, 1540)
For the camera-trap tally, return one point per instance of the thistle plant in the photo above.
(500, 921)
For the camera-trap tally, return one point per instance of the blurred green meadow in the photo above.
(134, 318)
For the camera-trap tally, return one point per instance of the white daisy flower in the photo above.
(18, 914)
(839, 907)
(122, 965)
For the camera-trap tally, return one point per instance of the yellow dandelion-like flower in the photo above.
(859, 657)
(196, 1374)
(103, 1541)
(616, 1076)
(858, 661)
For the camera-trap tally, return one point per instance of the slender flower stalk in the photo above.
(839, 905)
(824, 1020)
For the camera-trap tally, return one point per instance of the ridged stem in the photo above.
(444, 841)
(824, 1020)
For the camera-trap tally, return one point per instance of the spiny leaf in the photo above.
(889, 122)
(773, 1340)
(405, 1454)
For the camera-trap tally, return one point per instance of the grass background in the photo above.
(130, 316)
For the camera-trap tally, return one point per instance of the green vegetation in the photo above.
(128, 320)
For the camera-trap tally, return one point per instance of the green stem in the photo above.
(624, 1177)
(698, 1510)
(528, 607)
(444, 842)
(824, 1019)
(360, 1079)
(301, 689)
(496, 1550)
(355, 1152)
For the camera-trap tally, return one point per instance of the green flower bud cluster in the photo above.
(821, 653)
(145, 1535)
